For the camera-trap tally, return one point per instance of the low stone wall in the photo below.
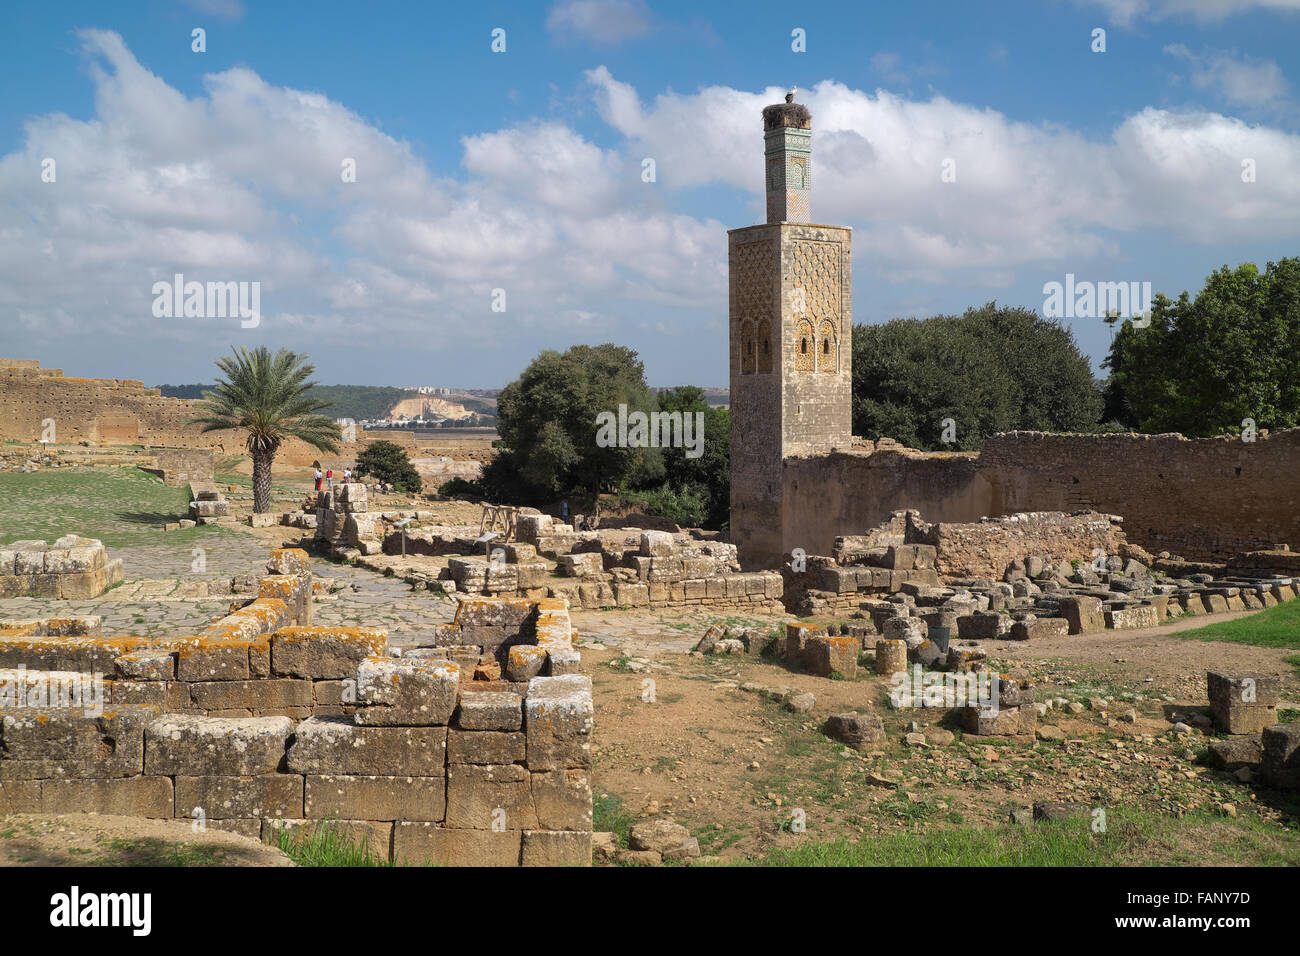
(180, 466)
(71, 569)
(265, 723)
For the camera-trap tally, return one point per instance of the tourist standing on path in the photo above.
(329, 477)
(318, 479)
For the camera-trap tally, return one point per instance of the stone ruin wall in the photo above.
(124, 412)
(265, 722)
(1204, 499)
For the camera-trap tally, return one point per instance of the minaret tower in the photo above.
(787, 136)
(790, 326)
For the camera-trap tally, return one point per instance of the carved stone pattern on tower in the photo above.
(751, 279)
(816, 270)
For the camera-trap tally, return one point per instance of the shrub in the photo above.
(386, 461)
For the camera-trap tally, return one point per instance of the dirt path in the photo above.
(92, 839)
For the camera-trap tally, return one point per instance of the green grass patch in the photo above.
(609, 815)
(1131, 838)
(1277, 626)
(123, 507)
(325, 845)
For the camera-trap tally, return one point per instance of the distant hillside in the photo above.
(358, 402)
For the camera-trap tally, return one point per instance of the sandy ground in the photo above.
(731, 764)
(92, 839)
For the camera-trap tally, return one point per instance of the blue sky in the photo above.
(521, 170)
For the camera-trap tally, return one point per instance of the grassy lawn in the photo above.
(1274, 627)
(1131, 838)
(123, 507)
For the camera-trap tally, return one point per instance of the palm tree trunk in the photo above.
(262, 481)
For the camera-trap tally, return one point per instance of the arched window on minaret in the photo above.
(828, 350)
(798, 175)
(765, 345)
(805, 346)
(747, 347)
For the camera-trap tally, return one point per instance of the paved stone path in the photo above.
(170, 592)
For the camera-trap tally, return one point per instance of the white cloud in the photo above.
(1024, 192)
(1127, 12)
(242, 182)
(599, 21)
(1237, 80)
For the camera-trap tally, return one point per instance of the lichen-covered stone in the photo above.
(558, 722)
(210, 746)
(406, 692)
(335, 745)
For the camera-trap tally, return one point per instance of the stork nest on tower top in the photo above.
(786, 114)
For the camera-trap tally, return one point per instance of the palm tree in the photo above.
(267, 395)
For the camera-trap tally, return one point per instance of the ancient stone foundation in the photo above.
(265, 723)
(71, 569)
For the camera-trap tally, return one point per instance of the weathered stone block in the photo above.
(587, 565)
(421, 843)
(859, 731)
(563, 660)
(1083, 614)
(208, 659)
(825, 656)
(146, 665)
(335, 745)
(405, 691)
(524, 662)
(1132, 616)
(323, 653)
(125, 796)
(1234, 753)
(562, 799)
(556, 848)
(998, 721)
(1039, 628)
(981, 627)
(374, 797)
(490, 710)
(485, 746)
(558, 722)
(61, 742)
(211, 746)
(259, 696)
(21, 796)
(1281, 763)
(239, 797)
(489, 797)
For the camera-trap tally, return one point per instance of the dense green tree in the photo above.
(387, 461)
(268, 397)
(1204, 365)
(547, 420)
(705, 479)
(992, 369)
